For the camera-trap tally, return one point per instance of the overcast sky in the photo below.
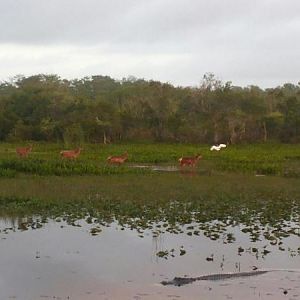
(177, 41)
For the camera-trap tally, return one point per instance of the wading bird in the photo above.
(70, 154)
(189, 161)
(117, 160)
(23, 152)
(217, 148)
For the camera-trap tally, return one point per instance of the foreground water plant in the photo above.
(212, 206)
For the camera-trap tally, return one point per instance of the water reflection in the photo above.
(185, 171)
(61, 260)
(271, 221)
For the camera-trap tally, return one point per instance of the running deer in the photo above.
(118, 160)
(23, 152)
(70, 154)
(189, 161)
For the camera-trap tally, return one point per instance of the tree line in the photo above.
(102, 109)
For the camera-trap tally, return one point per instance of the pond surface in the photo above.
(60, 261)
(121, 236)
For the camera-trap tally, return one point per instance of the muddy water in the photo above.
(60, 261)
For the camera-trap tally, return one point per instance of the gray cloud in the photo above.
(248, 42)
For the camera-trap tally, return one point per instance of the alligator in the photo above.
(179, 281)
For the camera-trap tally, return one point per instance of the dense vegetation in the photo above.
(45, 159)
(101, 109)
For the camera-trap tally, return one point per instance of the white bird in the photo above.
(217, 148)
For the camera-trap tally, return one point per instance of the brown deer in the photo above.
(70, 154)
(189, 161)
(23, 152)
(118, 160)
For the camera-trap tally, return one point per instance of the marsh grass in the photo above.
(265, 159)
(262, 207)
(220, 194)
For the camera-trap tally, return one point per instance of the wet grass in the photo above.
(264, 159)
(11, 167)
(264, 208)
(220, 194)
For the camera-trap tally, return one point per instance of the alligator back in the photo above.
(179, 281)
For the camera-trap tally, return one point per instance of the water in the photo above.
(59, 261)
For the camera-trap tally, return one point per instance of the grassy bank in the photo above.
(209, 205)
(268, 159)
(220, 193)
